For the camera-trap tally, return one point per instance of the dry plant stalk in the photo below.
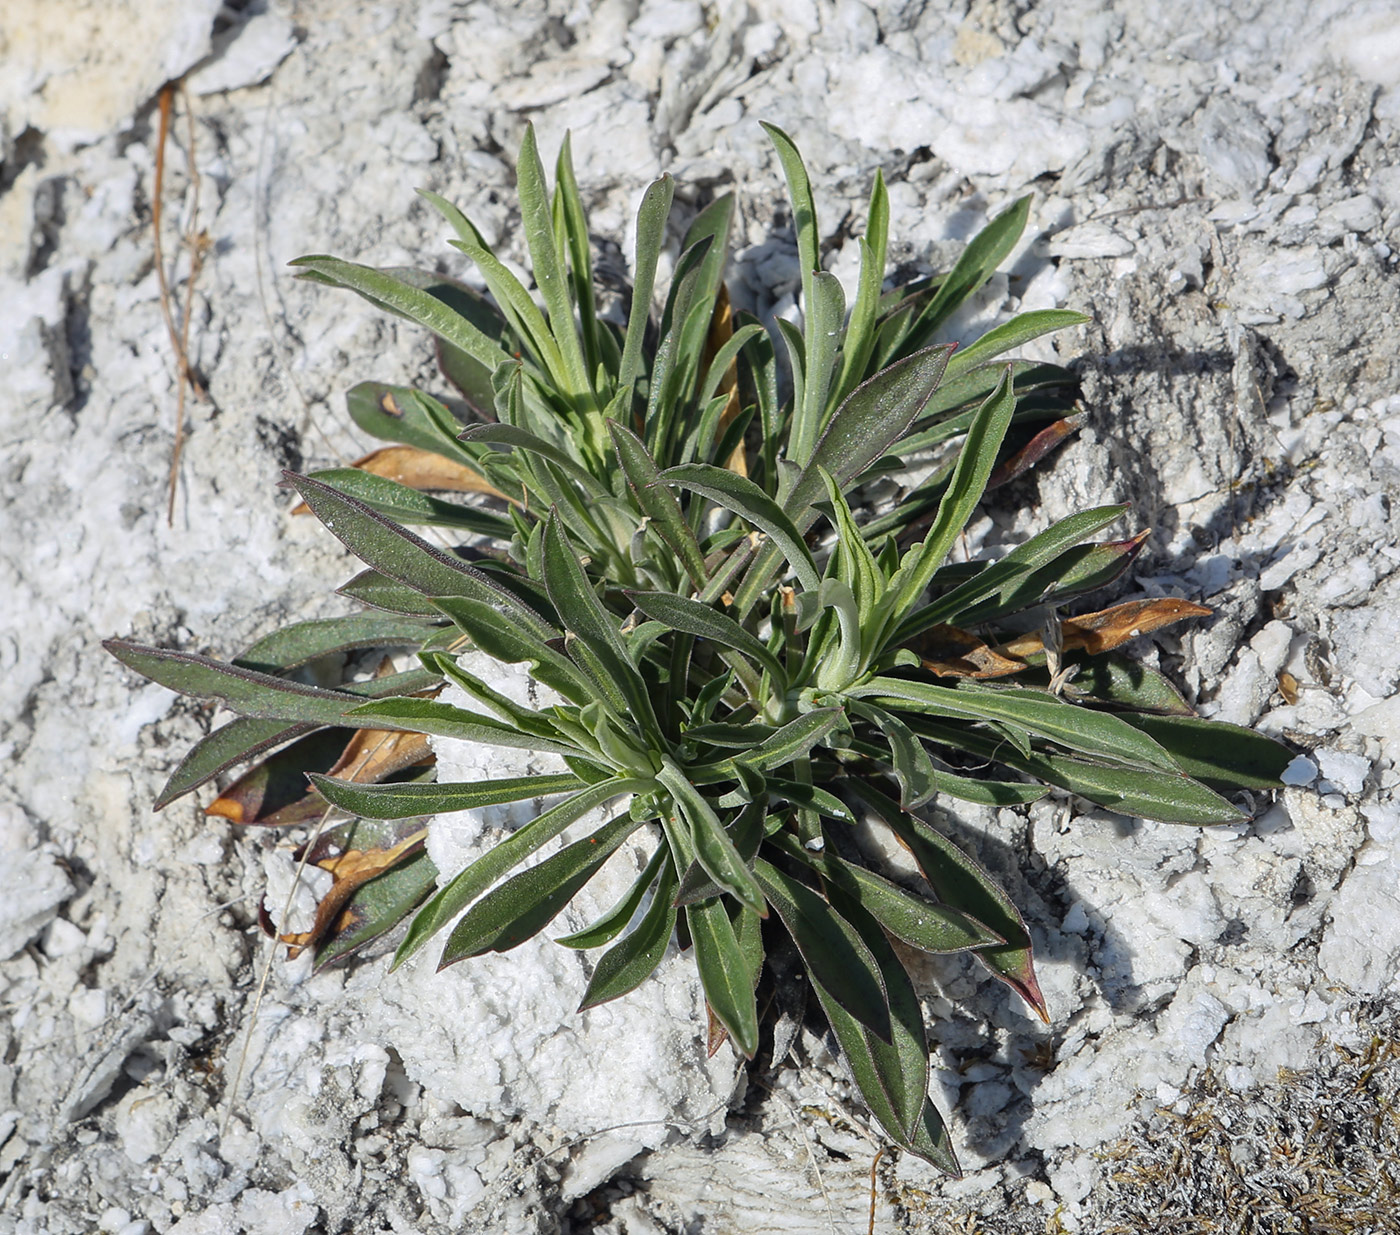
(197, 242)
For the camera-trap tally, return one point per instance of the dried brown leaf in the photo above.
(721, 330)
(1110, 628)
(420, 469)
(350, 871)
(950, 652)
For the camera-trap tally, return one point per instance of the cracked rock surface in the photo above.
(1216, 184)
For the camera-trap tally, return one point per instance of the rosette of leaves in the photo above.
(751, 645)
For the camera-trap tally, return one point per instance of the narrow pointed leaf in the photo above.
(626, 965)
(406, 505)
(975, 265)
(409, 801)
(651, 234)
(245, 691)
(619, 917)
(961, 883)
(694, 618)
(444, 720)
(920, 922)
(725, 973)
(243, 738)
(405, 415)
(964, 491)
(505, 855)
(404, 557)
(875, 416)
(1037, 712)
(529, 901)
(713, 847)
(378, 591)
(1165, 796)
(1019, 330)
(390, 292)
(913, 769)
(584, 616)
(501, 637)
(1217, 753)
(835, 954)
(657, 502)
(995, 584)
(747, 500)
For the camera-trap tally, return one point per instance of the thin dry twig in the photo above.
(186, 379)
(874, 1164)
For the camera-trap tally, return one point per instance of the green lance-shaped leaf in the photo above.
(468, 374)
(975, 265)
(378, 591)
(651, 234)
(855, 564)
(1037, 712)
(302, 642)
(1227, 756)
(1019, 330)
(520, 311)
(894, 1073)
(405, 415)
(713, 847)
(791, 742)
(396, 296)
(834, 953)
(520, 717)
(726, 972)
(404, 504)
(713, 223)
(616, 920)
(531, 444)
(464, 887)
(529, 901)
(748, 501)
(804, 208)
(395, 801)
(964, 491)
(657, 502)
(703, 621)
(719, 366)
(245, 691)
(1000, 580)
(1084, 568)
(920, 922)
(932, 1143)
(861, 332)
(1123, 682)
(875, 416)
(571, 219)
(913, 769)
(629, 963)
(243, 738)
(961, 883)
(407, 559)
(669, 367)
(584, 616)
(809, 797)
(1170, 797)
(444, 720)
(825, 315)
(501, 637)
(544, 260)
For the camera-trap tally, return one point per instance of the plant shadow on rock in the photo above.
(672, 546)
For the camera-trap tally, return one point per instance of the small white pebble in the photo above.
(1302, 771)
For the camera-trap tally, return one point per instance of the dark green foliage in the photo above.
(686, 562)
